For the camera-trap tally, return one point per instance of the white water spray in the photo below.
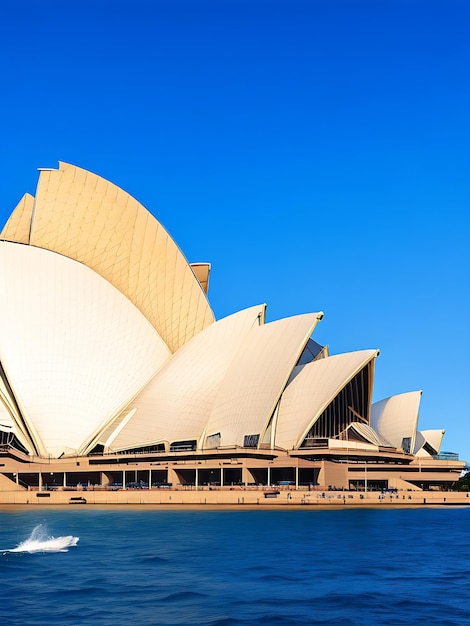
(40, 541)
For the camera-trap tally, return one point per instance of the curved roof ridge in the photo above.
(176, 404)
(257, 376)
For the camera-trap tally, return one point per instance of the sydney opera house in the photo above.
(115, 373)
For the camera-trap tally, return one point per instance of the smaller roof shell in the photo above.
(431, 437)
(396, 418)
(434, 438)
(176, 404)
(256, 378)
(311, 390)
(368, 433)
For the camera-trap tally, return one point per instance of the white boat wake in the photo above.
(39, 541)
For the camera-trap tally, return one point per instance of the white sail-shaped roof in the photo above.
(108, 341)
(396, 418)
(312, 388)
(431, 437)
(85, 217)
(176, 404)
(434, 437)
(72, 347)
(256, 378)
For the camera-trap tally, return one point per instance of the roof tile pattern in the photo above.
(87, 218)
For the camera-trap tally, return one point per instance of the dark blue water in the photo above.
(229, 568)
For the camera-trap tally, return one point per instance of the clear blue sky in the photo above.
(315, 152)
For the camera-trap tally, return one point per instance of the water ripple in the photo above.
(211, 568)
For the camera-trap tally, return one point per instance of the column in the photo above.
(246, 475)
(172, 476)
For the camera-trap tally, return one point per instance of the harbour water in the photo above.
(150, 567)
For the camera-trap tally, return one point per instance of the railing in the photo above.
(311, 442)
(446, 456)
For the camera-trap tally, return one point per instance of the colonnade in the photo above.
(167, 476)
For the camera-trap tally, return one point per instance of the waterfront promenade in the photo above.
(233, 497)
